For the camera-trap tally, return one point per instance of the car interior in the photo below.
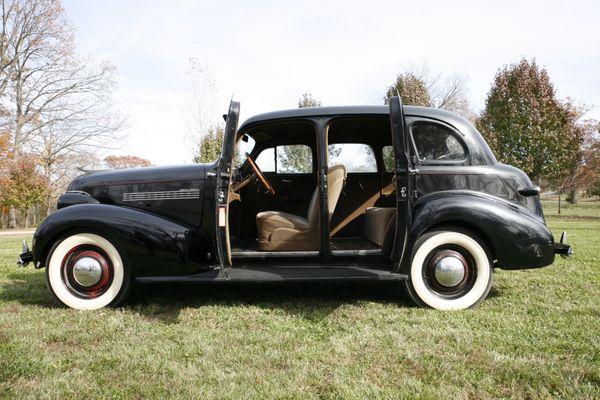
(274, 197)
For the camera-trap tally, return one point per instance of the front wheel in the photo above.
(85, 271)
(450, 270)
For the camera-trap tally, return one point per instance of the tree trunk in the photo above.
(36, 210)
(12, 217)
(559, 201)
(573, 196)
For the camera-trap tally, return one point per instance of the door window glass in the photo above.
(356, 157)
(435, 142)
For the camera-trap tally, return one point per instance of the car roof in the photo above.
(308, 112)
(466, 128)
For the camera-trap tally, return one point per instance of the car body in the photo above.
(419, 197)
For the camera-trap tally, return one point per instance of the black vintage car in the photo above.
(331, 193)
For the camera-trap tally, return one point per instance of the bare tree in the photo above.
(449, 93)
(307, 100)
(55, 104)
(128, 161)
(426, 88)
(202, 123)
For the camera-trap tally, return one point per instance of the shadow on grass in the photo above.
(26, 288)
(311, 301)
(163, 303)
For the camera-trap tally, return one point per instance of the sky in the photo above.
(265, 54)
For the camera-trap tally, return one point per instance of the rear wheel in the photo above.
(85, 271)
(450, 270)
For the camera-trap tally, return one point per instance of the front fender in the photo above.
(518, 239)
(152, 245)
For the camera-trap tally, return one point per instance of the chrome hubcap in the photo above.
(87, 271)
(449, 271)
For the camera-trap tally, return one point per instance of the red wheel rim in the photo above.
(102, 269)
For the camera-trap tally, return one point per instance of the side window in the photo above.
(435, 142)
(388, 158)
(289, 159)
(356, 157)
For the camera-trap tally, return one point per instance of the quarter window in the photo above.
(435, 142)
(356, 157)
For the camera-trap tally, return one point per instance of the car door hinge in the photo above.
(415, 194)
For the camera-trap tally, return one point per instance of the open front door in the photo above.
(222, 188)
(402, 179)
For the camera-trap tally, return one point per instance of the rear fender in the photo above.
(517, 239)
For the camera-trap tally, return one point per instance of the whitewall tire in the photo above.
(85, 271)
(450, 270)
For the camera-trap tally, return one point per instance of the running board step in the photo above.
(256, 274)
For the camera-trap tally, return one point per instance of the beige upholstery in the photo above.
(377, 222)
(281, 231)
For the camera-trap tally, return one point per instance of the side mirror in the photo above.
(530, 191)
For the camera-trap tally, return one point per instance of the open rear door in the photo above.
(402, 171)
(224, 171)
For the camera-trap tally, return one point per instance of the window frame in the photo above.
(453, 131)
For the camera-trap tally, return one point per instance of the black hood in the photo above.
(132, 176)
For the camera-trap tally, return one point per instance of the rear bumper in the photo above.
(562, 248)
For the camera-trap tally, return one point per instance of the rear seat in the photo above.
(377, 221)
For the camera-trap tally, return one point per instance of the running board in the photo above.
(257, 274)
(270, 254)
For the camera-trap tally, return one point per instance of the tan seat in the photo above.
(281, 231)
(377, 222)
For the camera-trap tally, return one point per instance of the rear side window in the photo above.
(289, 159)
(356, 157)
(436, 142)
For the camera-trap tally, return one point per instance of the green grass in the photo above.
(537, 336)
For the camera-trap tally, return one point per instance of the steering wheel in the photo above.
(260, 176)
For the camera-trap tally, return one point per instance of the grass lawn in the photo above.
(537, 336)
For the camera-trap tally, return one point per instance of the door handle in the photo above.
(286, 181)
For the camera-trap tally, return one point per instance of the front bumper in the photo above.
(562, 248)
